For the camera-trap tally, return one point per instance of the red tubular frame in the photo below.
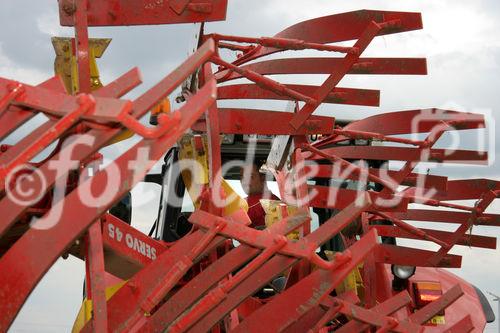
(371, 31)
(17, 116)
(144, 12)
(13, 210)
(178, 288)
(348, 96)
(60, 232)
(377, 66)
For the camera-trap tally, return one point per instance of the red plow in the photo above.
(203, 281)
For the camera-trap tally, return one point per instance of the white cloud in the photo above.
(9, 70)
(48, 23)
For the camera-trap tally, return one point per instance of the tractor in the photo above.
(338, 249)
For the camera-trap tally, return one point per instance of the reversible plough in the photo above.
(202, 282)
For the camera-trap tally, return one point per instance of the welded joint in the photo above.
(180, 268)
(166, 124)
(339, 259)
(202, 8)
(436, 133)
(86, 105)
(219, 225)
(413, 230)
(15, 90)
(176, 272)
(279, 242)
(330, 313)
(87, 102)
(308, 147)
(374, 136)
(391, 26)
(179, 6)
(265, 82)
(390, 323)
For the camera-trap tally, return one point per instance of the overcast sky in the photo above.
(460, 39)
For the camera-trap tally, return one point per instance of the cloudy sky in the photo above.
(460, 39)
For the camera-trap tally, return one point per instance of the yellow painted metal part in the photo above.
(66, 65)
(196, 159)
(85, 313)
(276, 211)
(353, 282)
(437, 320)
(162, 107)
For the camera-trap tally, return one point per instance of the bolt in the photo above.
(69, 8)
(112, 15)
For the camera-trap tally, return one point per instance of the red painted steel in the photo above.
(280, 263)
(59, 104)
(144, 12)
(216, 295)
(374, 66)
(464, 189)
(14, 91)
(16, 116)
(334, 305)
(415, 121)
(410, 122)
(203, 282)
(267, 83)
(187, 285)
(284, 43)
(97, 286)
(350, 59)
(214, 142)
(466, 240)
(386, 308)
(127, 250)
(337, 96)
(415, 180)
(304, 295)
(341, 198)
(448, 217)
(408, 154)
(386, 324)
(426, 313)
(52, 243)
(117, 88)
(465, 325)
(86, 105)
(399, 255)
(82, 44)
(13, 210)
(244, 121)
(332, 29)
